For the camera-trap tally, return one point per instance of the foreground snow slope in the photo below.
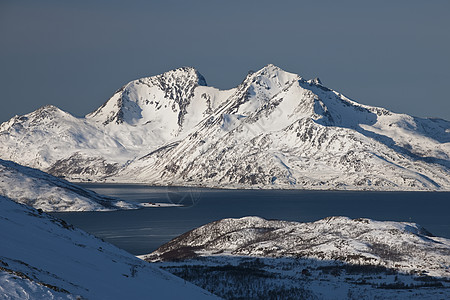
(405, 247)
(43, 191)
(42, 257)
(274, 130)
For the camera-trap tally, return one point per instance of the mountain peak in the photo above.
(271, 71)
(315, 81)
(189, 73)
(48, 108)
(267, 81)
(130, 104)
(270, 68)
(46, 111)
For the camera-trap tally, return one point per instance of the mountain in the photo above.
(333, 258)
(144, 114)
(274, 130)
(42, 257)
(48, 193)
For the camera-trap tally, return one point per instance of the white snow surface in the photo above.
(43, 191)
(274, 130)
(42, 257)
(159, 204)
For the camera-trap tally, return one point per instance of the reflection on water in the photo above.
(142, 231)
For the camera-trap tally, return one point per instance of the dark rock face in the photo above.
(79, 165)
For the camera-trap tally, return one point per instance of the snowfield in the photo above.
(42, 257)
(333, 258)
(275, 130)
(48, 193)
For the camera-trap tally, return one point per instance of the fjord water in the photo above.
(142, 231)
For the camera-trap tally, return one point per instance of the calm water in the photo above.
(142, 231)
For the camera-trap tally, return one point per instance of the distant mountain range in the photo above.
(274, 130)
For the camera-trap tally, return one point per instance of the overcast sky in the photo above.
(75, 54)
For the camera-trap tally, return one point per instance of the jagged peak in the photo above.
(270, 69)
(179, 75)
(48, 107)
(189, 73)
(45, 111)
(271, 73)
(177, 84)
(315, 81)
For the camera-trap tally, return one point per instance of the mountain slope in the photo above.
(278, 130)
(406, 247)
(144, 114)
(43, 191)
(333, 258)
(275, 130)
(47, 135)
(42, 257)
(151, 111)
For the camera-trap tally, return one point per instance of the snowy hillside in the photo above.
(44, 258)
(43, 191)
(404, 246)
(275, 130)
(47, 135)
(333, 258)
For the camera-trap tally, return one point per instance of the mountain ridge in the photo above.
(353, 241)
(274, 130)
(332, 258)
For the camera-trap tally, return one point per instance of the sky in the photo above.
(76, 54)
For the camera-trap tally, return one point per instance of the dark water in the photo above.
(142, 231)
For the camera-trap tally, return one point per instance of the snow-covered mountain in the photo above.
(275, 130)
(42, 257)
(43, 191)
(333, 258)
